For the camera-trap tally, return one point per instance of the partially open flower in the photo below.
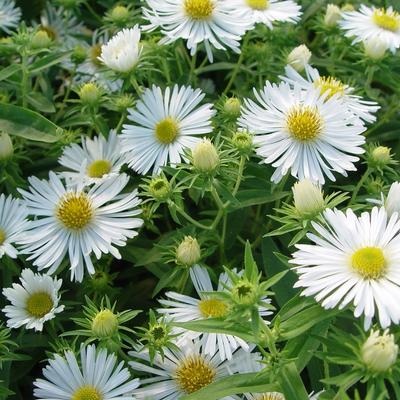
(205, 156)
(188, 252)
(333, 15)
(308, 197)
(6, 147)
(299, 57)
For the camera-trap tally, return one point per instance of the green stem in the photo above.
(192, 73)
(24, 80)
(135, 85)
(120, 122)
(190, 219)
(94, 14)
(359, 185)
(240, 175)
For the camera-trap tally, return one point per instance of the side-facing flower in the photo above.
(10, 15)
(165, 124)
(78, 221)
(34, 301)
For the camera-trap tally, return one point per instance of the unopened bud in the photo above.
(375, 48)
(188, 252)
(299, 57)
(90, 94)
(205, 156)
(6, 147)
(308, 197)
(381, 155)
(159, 188)
(119, 14)
(41, 40)
(243, 142)
(333, 15)
(232, 107)
(105, 323)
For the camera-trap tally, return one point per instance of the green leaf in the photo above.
(47, 62)
(28, 124)
(41, 103)
(253, 197)
(291, 384)
(234, 384)
(250, 266)
(9, 71)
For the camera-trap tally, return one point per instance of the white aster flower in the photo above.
(354, 259)
(122, 52)
(165, 124)
(182, 308)
(330, 86)
(268, 11)
(301, 131)
(33, 302)
(212, 22)
(275, 396)
(13, 224)
(371, 22)
(182, 372)
(10, 15)
(78, 221)
(97, 378)
(96, 160)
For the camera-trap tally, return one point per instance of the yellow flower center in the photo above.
(167, 130)
(39, 304)
(87, 393)
(389, 21)
(199, 9)
(304, 123)
(2, 236)
(194, 373)
(105, 323)
(213, 308)
(330, 85)
(75, 211)
(270, 396)
(369, 262)
(258, 4)
(99, 168)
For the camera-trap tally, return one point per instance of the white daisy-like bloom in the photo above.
(95, 161)
(372, 22)
(268, 11)
(10, 15)
(33, 302)
(330, 86)
(354, 259)
(182, 308)
(13, 224)
(165, 124)
(275, 396)
(122, 52)
(183, 372)
(303, 132)
(215, 23)
(79, 221)
(96, 377)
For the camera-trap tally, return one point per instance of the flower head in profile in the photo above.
(330, 86)
(301, 131)
(13, 224)
(10, 15)
(371, 22)
(183, 371)
(353, 260)
(122, 52)
(33, 302)
(164, 125)
(96, 160)
(78, 221)
(268, 11)
(214, 23)
(98, 377)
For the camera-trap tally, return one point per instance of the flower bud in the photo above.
(6, 147)
(188, 252)
(243, 142)
(119, 15)
(375, 48)
(105, 323)
(379, 352)
(205, 156)
(270, 396)
(347, 7)
(159, 188)
(41, 40)
(232, 107)
(392, 203)
(308, 197)
(124, 101)
(78, 55)
(333, 15)
(381, 155)
(299, 57)
(90, 94)
(244, 292)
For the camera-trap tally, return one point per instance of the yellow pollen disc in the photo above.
(304, 123)
(166, 130)
(330, 85)
(213, 308)
(2, 236)
(99, 168)
(258, 4)
(87, 393)
(369, 262)
(199, 9)
(39, 304)
(194, 373)
(389, 21)
(75, 211)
